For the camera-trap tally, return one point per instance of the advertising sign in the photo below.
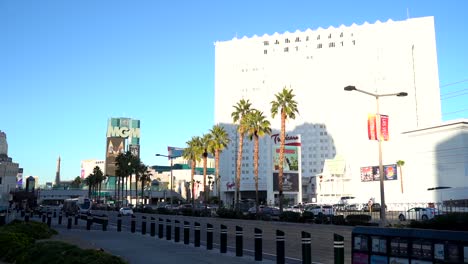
(291, 159)
(360, 258)
(376, 259)
(115, 146)
(371, 127)
(372, 173)
(174, 152)
(384, 127)
(290, 182)
(135, 150)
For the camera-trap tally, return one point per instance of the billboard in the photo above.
(174, 152)
(134, 149)
(115, 146)
(371, 173)
(290, 181)
(291, 158)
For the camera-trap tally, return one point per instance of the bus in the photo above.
(79, 205)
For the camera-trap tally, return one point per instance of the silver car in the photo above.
(418, 213)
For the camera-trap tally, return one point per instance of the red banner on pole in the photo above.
(371, 127)
(384, 127)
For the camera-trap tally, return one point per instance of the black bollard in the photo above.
(143, 225)
(160, 228)
(32, 214)
(197, 234)
(239, 242)
(176, 231)
(76, 219)
(133, 224)
(306, 248)
(26, 218)
(280, 259)
(43, 217)
(153, 226)
(168, 229)
(258, 244)
(119, 223)
(89, 221)
(69, 223)
(22, 213)
(223, 239)
(105, 222)
(209, 236)
(49, 219)
(186, 232)
(55, 214)
(60, 218)
(338, 245)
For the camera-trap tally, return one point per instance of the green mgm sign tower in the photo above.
(123, 134)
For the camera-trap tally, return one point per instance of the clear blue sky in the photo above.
(67, 66)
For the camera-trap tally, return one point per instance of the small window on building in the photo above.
(307, 38)
(286, 40)
(276, 42)
(265, 51)
(331, 44)
(318, 37)
(297, 48)
(298, 39)
(341, 43)
(319, 46)
(286, 49)
(354, 42)
(341, 34)
(266, 43)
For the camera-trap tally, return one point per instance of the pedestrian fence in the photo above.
(103, 220)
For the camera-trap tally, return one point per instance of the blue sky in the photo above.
(67, 66)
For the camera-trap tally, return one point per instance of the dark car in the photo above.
(265, 212)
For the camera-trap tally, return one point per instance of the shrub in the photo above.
(51, 252)
(34, 230)
(358, 219)
(338, 220)
(289, 216)
(307, 216)
(164, 211)
(13, 245)
(228, 213)
(450, 221)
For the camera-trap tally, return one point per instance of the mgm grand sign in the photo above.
(123, 132)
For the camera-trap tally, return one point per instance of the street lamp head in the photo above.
(350, 88)
(402, 94)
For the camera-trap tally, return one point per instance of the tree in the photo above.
(193, 153)
(91, 182)
(206, 146)
(76, 183)
(99, 178)
(126, 164)
(240, 110)
(220, 139)
(145, 178)
(286, 106)
(400, 164)
(256, 126)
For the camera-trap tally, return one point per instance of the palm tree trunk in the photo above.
(193, 183)
(136, 188)
(239, 160)
(205, 190)
(281, 159)
(401, 178)
(256, 173)
(218, 185)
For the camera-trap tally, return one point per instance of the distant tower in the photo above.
(57, 174)
(3, 143)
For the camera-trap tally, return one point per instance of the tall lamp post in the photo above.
(171, 158)
(383, 218)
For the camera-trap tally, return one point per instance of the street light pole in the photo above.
(383, 218)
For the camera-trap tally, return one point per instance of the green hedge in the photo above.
(12, 245)
(450, 221)
(34, 230)
(358, 219)
(289, 216)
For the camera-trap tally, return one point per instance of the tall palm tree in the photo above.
(76, 182)
(134, 164)
(256, 126)
(400, 164)
(193, 152)
(123, 164)
(91, 182)
(206, 146)
(145, 178)
(220, 140)
(240, 110)
(286, 106)
(99, 178)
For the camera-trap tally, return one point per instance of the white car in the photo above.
(126, 211)
(321, 209)
(418, 213)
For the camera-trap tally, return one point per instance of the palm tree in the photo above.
(286, 106)
(134, 164)
(124, 169)
(400, 164)
(76, 182)
(240, 110)
(220, 140)
(256, 126)
(206, 146)
(99, 178)
(145, 178)
(193, 152)
(91, 182)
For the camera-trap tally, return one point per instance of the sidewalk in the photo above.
(136, 248)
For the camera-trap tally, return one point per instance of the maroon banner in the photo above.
(371, 127)
(384, 127)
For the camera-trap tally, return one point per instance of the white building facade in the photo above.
(87, 167)
(381, 58)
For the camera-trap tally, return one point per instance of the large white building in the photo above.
(382, 58)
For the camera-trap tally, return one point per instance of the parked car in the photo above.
(418, 213)
(126, 211)
(265, 211)
(294, 208)
(321, 209)
(375, 207)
